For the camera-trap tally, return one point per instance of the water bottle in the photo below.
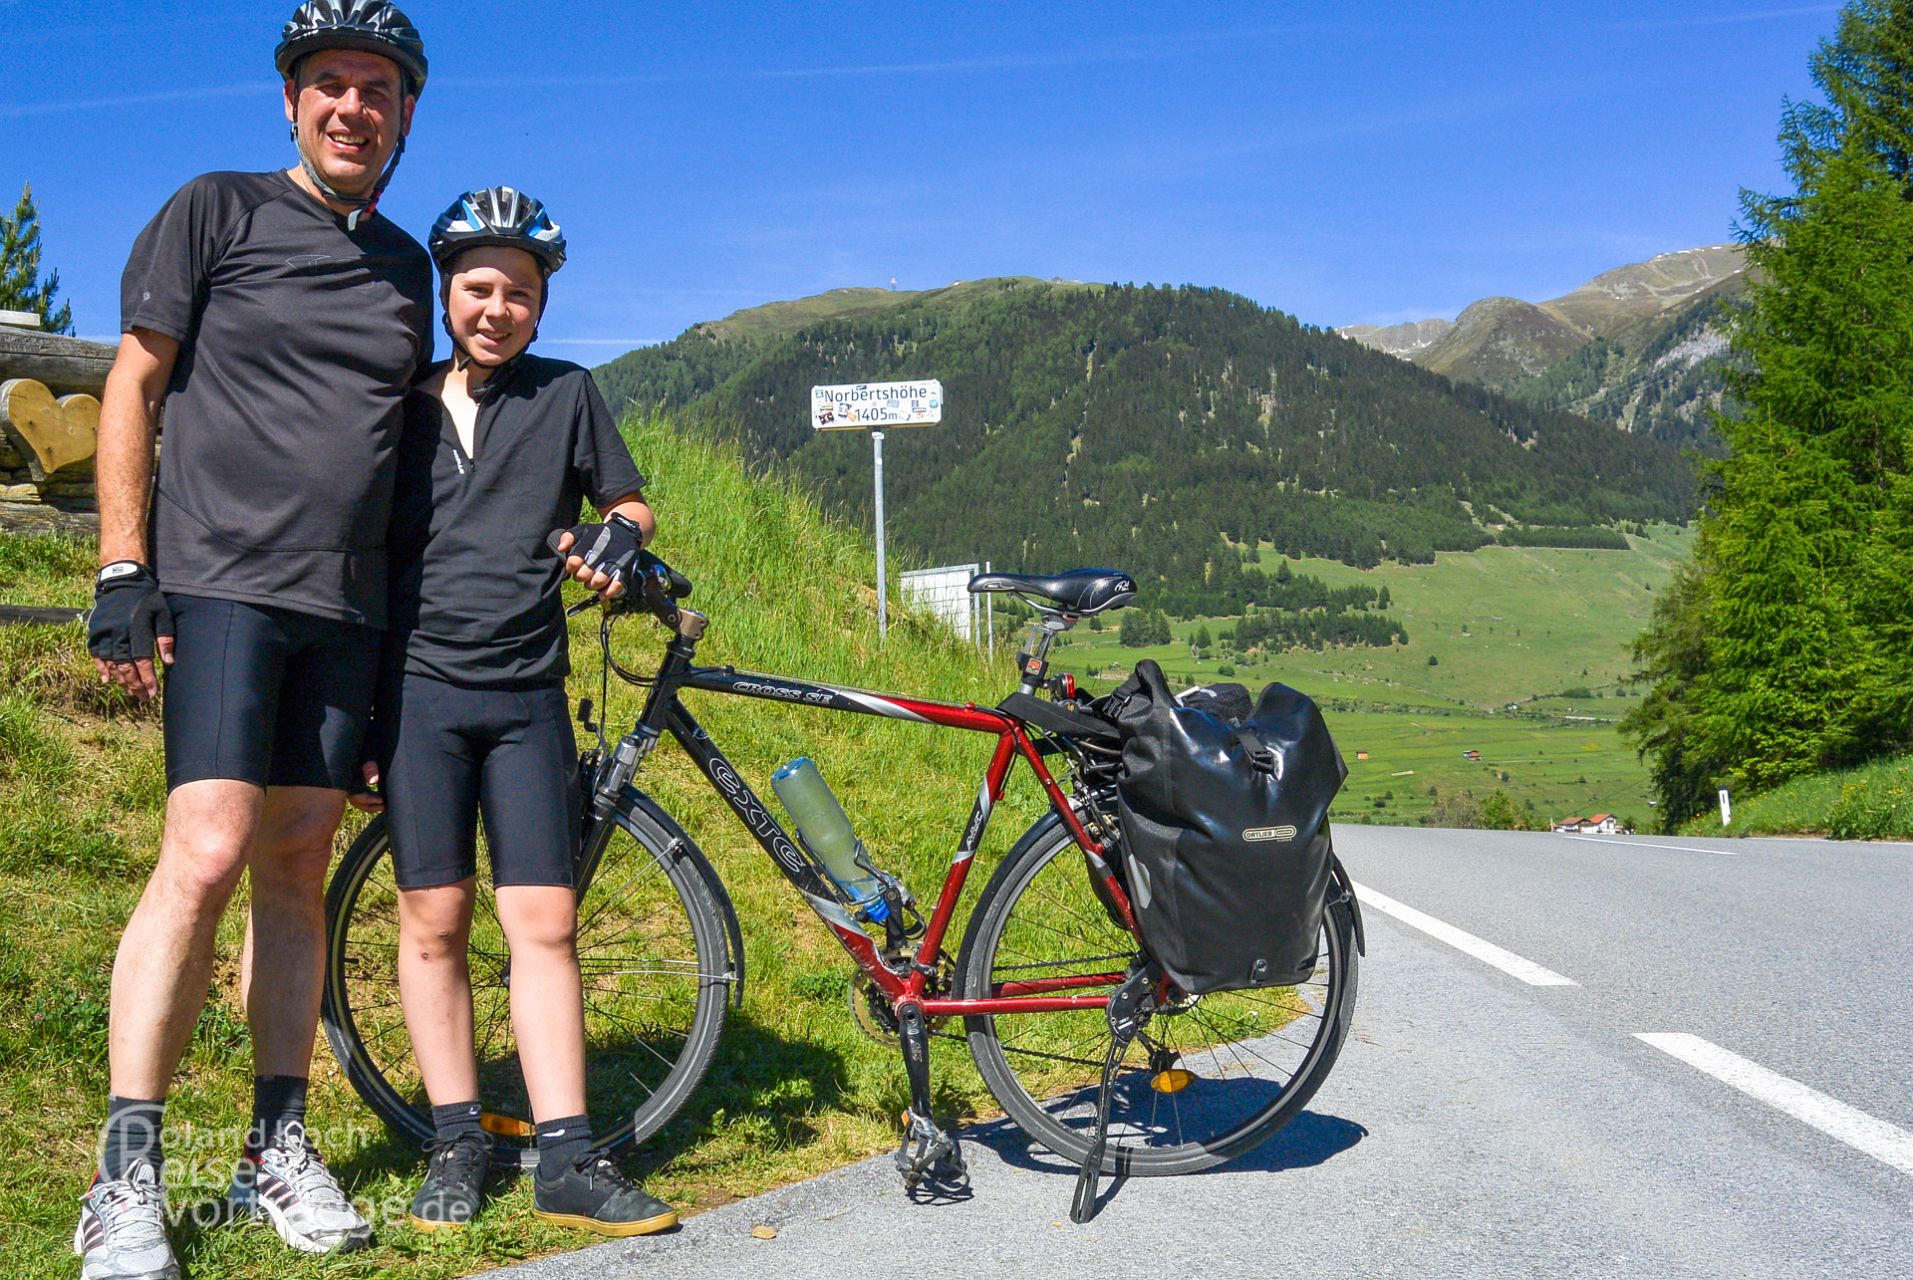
(826, 832)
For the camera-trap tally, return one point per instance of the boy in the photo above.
(500, 447)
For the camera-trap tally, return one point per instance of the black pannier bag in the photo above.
(1223, 810)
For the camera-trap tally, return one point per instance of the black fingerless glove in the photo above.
(129, 613)
(611, 547)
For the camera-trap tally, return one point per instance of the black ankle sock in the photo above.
(131, 1132)
(561, 1143)
(456, 1120)
(278, 1103)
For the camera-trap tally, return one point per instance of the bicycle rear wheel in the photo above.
(652, 952)
(1250, 1060)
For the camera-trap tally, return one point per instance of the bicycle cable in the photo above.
(610, 663)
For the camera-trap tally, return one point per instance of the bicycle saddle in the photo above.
(1080, 591)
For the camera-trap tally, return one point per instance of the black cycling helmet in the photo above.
(374, 26)
(500, 217)
(503, 217)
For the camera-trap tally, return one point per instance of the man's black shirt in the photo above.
(298, 339)
(475, 588)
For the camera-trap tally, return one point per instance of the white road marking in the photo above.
(1885, 1142)
(1486, 952)
(1648, 844)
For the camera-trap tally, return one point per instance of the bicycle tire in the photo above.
(1039, 913)
(655, 1030)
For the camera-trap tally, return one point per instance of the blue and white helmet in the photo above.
(503, 217)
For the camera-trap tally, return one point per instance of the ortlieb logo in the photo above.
(1269, 833)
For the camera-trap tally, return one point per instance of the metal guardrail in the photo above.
(33, 615)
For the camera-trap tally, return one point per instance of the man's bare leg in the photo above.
(285, 931)
(165, 958)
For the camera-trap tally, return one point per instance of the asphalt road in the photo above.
(1478, 1124)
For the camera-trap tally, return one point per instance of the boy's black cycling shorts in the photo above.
(266, 696)
(448, 754)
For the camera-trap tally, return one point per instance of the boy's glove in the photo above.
(611, 547)
(129, 613)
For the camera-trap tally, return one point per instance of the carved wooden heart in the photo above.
(55, 433)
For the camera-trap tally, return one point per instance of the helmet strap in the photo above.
(357, 205)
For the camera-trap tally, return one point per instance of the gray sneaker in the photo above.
(122, 1231)
(290, 1186)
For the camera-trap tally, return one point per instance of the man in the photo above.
(277, 320)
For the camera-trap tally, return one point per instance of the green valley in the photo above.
(1530, 649)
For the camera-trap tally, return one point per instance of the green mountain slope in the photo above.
(1501, 342)
(1658, 375)
(1140, 426)
(1639, 346)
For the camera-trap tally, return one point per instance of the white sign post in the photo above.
(1726, 808)
(872, 406)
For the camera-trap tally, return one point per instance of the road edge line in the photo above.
(1480, 948)
(1881, 1139)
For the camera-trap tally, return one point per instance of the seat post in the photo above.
(1035, 661)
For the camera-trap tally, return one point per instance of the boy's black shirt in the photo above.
(298, 340)
(475, 588)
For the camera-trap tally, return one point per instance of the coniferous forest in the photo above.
(1165, 431)
(1786, 646)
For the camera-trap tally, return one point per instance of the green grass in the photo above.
(1870, 802)
(1511, 629)
(797, 1089)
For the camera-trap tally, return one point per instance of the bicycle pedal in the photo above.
(929, 1158)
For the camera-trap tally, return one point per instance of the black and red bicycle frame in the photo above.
(901, 984)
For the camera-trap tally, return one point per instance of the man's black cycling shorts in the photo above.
(266, 696)
(449, 753)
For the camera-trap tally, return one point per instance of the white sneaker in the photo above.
(291, 1186)
(122, 1231)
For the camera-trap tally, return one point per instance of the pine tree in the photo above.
(21, 288)
(1786, 648)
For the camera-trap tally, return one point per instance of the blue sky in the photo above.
(1346, 162)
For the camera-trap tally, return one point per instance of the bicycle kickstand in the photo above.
(1127, 1013)
(929, 1157)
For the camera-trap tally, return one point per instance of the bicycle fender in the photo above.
(1340, 873)
(733, 935)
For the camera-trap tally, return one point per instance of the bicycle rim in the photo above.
(653, 962)
(1209, 1077)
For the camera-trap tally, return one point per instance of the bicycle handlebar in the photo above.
(661, 586)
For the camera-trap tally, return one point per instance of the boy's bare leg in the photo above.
(547, 998)
(435, 987)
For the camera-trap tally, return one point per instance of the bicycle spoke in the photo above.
(618, 895)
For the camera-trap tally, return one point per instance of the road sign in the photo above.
(862, 405)
(873, 406)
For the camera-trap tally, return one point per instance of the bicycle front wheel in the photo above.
(1208, 1078)
(652, 954)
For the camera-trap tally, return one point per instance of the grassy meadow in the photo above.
(796, 1089)
(1530, 649)
(1869, 802)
